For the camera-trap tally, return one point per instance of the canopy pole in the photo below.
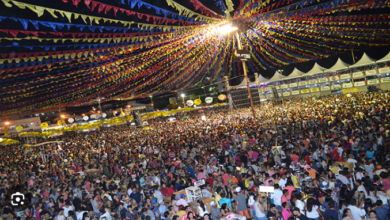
(353, 56)
(246, 77)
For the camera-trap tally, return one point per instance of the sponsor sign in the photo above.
(325, 88)
(302, 83)
(296, 92)
(304, 91)
(335, 87)
(385, 80)
(347, 85)
(345, 76)
(314, 89)
(352, 90)
(372, 81)
(384, 70)
(322, 80)
(356, 75)
(242, 55)
(362, 83)
(334, 78)
(371, 72)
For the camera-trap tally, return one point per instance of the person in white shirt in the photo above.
(357, 212)
(283, 181)
(361, 188)
(277, 197)
(106, 215)
(158, 195)
(68, 207)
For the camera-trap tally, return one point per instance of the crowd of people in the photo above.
(315, 158)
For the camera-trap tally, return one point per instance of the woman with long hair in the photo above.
(202, 209)
(347, 215)
(313, 212)
(225, 211)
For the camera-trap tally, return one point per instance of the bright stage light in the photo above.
(226, 29)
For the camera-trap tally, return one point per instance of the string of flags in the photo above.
(65, 53)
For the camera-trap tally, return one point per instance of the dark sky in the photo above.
(162, 101)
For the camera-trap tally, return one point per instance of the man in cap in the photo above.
(242, 207)
(182, 201)
(215, 212)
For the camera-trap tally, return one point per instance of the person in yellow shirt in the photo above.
(218, 197)
(295, 180)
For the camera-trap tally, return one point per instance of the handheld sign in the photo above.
(200, 182)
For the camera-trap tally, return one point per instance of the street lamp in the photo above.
(182, 96)
(152, 104)
(7, 123)
(226, 29)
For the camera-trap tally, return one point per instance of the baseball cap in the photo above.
(212, 203)
(183, 195)
(238, 189)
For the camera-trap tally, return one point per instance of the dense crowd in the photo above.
(323, 158)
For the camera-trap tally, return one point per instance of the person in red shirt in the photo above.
(210, 180)
(167, 191)
(294, 157)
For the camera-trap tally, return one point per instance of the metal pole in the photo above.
(246, 78)
(101, 112)
(353, 56)
(62, 122)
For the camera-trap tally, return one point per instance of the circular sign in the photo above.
(93, 116)
(209, 100)
(79, 118)
(197, 102)
(104, 115)
(190, 103)
(44, 125)
(61, 122)
(222, 97)
(98, 116)
(19, 128)
(85, 118)
(70, 120)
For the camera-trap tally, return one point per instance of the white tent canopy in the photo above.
(317, 69)
(261, 78)
(276, 77)
(243, 82)
(384, 59)
(294, 74)
(339, 65)
(365, 60)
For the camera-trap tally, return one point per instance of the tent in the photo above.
(261, 79)
(339, 65)
(384, 59)
(276, 77)
(294, 74)
(317, 69)
(365, 60)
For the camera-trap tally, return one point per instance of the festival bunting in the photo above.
(65, 53)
